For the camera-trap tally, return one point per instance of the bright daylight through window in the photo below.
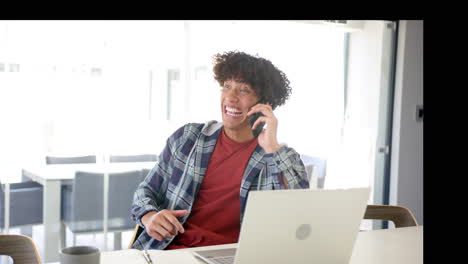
(123, 86)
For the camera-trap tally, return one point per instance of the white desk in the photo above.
(52, 177)
(386, 246)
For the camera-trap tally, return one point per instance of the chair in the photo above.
(83, 203)
(56, 160)
(51, 160)
(136, 233)
(315, 165)
(133, 158)
(399, 215)
(25, 204)
(70, 160)
(20, 248)
(123, 186)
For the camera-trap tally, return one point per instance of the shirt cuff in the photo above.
(278, 161)
(143, 211)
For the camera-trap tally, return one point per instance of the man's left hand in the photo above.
(267, 138)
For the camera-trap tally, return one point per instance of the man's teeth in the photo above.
(233, 111)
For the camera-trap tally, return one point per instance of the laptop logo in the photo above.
(303, 231)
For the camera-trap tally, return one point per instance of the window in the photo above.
(124, 86)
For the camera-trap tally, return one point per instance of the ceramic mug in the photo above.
(80, 255)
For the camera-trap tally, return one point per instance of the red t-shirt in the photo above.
(215, 216)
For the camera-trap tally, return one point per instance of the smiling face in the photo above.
(236, 100)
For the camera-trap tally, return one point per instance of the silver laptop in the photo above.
(296, 226)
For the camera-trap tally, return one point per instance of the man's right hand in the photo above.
(163, 224)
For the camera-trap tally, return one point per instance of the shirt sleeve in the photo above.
(286, 166)
(150, 194)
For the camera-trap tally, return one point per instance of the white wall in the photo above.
(406, 176)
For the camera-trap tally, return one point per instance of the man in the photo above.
(196, 194)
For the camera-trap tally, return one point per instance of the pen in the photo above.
(147, 257)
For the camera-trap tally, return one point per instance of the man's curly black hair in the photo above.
(269, 83)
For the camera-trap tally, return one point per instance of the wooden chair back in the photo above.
(20, 248)
(136, 233)
(399, 215)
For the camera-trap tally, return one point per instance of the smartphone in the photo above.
(259, 127)
(254, 118)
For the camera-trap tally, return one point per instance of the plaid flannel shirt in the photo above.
(175, 180)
